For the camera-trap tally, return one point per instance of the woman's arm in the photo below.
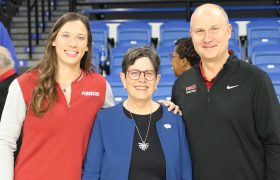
(186, 164)
(95, 150)
(109, 97)
(10, 127)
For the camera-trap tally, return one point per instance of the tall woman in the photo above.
(138, 139)
(54, 104)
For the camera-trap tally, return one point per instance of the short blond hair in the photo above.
(6, 59)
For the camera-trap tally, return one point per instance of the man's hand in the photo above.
(171, 107)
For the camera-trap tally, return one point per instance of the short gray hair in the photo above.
(6, 59)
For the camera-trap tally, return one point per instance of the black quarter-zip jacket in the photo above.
(234, 128)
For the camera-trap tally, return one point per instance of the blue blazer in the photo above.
(110, 146)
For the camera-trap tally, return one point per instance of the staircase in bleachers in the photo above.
(19, 31)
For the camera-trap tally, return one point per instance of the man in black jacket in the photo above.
(7, 75)
(230, 107)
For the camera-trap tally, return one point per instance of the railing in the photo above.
(34, 6)
(160, 10)
(7, 10)
(103, 4)
(188, 8)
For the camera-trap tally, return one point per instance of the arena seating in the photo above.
(99, 33)
(116, 58)
(237, 50)
(267, 58)
(163, 92)
(95, 58)
(131, 34)
(173, 30)
(164, 87)
(234, 39)
(119, 92)
(261, 32)
(165, 61)
(266, 54)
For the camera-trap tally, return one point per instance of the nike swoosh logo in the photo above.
(230, 87)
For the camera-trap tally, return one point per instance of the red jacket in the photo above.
(54, 146)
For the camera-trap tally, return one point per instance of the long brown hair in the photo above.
(45, 93)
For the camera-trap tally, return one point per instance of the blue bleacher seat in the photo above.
(167, 80)
(275, 77)
(164, 88)
(234, 39)
(262, 32)
(266, 54)
(263, 29)
(116, 58)
(133, 34)
(267, 58)
(95, 58)
(119, 92)
(163, 92)
(237, 49)
(277, 89)
(258, 42)
(173, 30)
(165, 61)
(273, 71)
(270, 68)
(99, 33)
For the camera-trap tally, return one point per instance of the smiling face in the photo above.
(143, 87)
(210, 32)
(71, 43)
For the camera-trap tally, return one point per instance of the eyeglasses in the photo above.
(171, 56)
(134, 74)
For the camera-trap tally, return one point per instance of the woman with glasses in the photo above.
(138, 139)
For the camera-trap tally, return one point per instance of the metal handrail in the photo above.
(30, 7)
(188, 9)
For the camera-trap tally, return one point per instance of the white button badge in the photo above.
(167, 126)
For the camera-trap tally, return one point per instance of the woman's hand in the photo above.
(171, 107)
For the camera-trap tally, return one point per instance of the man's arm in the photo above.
(267, 118)
(10, 129)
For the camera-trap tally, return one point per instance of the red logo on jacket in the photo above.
(191, 89)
